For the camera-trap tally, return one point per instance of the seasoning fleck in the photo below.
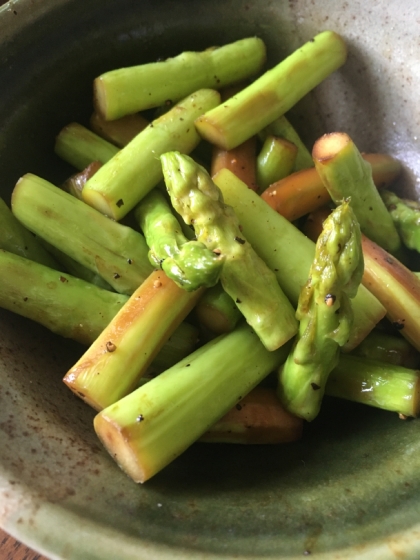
(110, 346)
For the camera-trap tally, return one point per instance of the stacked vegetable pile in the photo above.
(218, 185)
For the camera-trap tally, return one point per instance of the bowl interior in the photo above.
(352, 484)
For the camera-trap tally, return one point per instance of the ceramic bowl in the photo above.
(351, 487)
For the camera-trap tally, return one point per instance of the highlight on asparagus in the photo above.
(325, 314)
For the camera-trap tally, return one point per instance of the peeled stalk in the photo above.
(346, 175)
(303, 192)
(153, 425)
(116, 252)
(126, 178)
(113, 364)
(288, 252)
(274, 93)
(244, 276)
(128, 90)
(377, 384)
(79, 146)
(325, 314)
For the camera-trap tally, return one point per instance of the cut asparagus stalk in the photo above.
(375, 383)
(275, 161)
(153, 425)
(274, 93)
(406, 217)
(217, 312)
(74, 184)
(120, 184)
(325, 314)
(190, 264)
(116, 252)
(244, 276)
(259, 418)
(79, 146)
(288, 252)
(385, 347)
(112, 366)
(66, 305)
(313, 224)
(282, 128)
(119, 132)
(345, 174)
(240, 160)
(303, 191)
(396, 287)
(128, 90)
(18, 240)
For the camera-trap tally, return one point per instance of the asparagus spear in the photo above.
(385, 347)
(125, 179)
(396, 287)
(79, 146)
(325, 314)
(18, 240)
(217, 311)
(274, 93)
(245, 277)
(282, 128)
(345, 174)
(128, 90)
(64, 304)
(153, 425)
(119, 132)
(303, 192)
(258, 418)
(406, 217)
(112, 366)
(376, 383)
(288, 252)
(188, 263)
(115, 252)
(275, 161)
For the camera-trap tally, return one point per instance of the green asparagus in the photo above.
(389, 348)
(274, 93)
(288, 252)
(345, 173)
(325, 314)
(126, 178)
(153, 425)
(275, 161)
(188, 263)
(406, 217)
(244, 276)
(216, 311)
(116, 252)
(128, 90)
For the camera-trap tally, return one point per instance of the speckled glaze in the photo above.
(351, 488)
